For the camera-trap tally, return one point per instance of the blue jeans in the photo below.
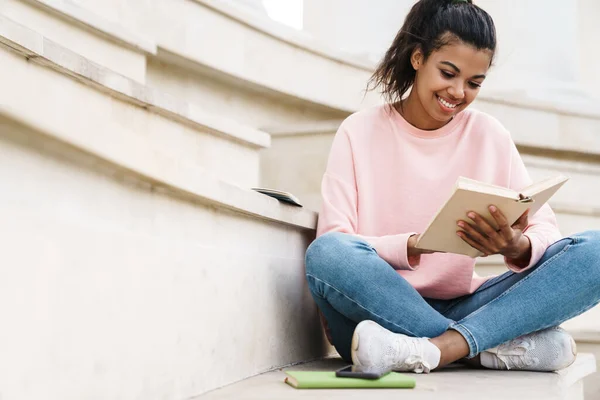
(351, 283)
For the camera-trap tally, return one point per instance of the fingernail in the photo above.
(493, 209)
(461, 224)
(471, 215)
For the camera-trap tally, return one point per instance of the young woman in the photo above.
(390, 168)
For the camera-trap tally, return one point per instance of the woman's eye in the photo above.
(447, 74)
(474, 85)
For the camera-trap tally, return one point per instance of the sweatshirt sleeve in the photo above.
(542, 229)
(339, 211)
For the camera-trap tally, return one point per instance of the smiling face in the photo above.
(445, 84)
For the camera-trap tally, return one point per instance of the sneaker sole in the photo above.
(354, 344)
(574, 352)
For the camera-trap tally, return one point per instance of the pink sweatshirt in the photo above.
(385, 180)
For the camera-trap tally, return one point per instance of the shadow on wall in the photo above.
(295, 314)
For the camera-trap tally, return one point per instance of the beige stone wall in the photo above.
(114, 288)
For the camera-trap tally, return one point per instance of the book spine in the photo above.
(524, 199)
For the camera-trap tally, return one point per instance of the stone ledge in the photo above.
(137, 157)
(587, 108)
(295, 39)
(574, 209)
(454, 382)
(576, 165)
(311, 128)
(249, 61)
(108, 29)
(209, 66)
(562, 151)
(144, 254)
(288, 35)
(39, 49)
(585, 327)
(585, 336)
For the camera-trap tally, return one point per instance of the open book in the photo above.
(280, 195)
(472, 195)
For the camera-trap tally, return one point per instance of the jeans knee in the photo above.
(323, 251)
(589, 254)
(592, 237)
(589, 242)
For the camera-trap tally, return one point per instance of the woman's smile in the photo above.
(446, 105)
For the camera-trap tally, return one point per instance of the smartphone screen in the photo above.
(357, 371)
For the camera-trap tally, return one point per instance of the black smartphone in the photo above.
(357, 371)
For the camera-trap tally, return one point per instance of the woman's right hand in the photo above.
(412, 251)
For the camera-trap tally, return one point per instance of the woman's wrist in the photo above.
(523, 253)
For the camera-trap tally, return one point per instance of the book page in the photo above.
(545, 184)
(543, 191)
(441, 235)
(483, 187)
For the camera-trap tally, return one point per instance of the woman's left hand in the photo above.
(507, 240)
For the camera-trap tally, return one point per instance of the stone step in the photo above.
(243, 79)
(454, 382)
(119, 109)
(126, 275)
(584, 328)
(76, 28)
(136, 261)
(325, 83)
(232, 80)
(245, 82)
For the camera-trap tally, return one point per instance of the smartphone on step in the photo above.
(357, 371)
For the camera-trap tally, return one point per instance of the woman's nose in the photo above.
(457, 92)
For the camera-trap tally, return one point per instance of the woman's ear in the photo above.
(416, 58)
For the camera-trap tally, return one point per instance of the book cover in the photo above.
(471, 195)
(286, 197)
(328, 380)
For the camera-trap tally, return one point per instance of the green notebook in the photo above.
(328, 380)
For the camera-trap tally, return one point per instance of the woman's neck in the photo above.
(413, 112)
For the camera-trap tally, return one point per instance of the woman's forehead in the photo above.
(466, 57)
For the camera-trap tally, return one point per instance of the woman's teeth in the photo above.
(445, 103)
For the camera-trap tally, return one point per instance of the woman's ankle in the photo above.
(452, 345)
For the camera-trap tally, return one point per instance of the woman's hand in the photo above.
(507, 240)
(412, 251)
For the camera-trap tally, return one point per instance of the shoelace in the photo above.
(414, 362)
(514, 354)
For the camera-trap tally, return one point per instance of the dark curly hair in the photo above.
(430, 25)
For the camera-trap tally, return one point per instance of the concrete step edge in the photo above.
(269, 385)
(585, 335)
(41, 50)
(108, 29)
(180, 178)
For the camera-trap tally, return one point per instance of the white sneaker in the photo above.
(373, 345)
(547, 350)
